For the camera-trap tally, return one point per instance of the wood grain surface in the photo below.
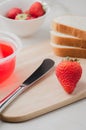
(45, 95)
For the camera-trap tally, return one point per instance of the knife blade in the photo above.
(43, 69)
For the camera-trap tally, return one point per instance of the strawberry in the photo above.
(29, 18)
(36, 9)
(69, 73)
(26, 12)
(13, 12)
(21, 16)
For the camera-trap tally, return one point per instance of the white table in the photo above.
(71, 117)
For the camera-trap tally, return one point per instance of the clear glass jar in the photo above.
(10, 45)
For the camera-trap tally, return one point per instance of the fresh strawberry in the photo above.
(22, 16)
(29, 15)
(29, 18)
(26, 12)
(13, 12)
(36, 9)
(69, 73)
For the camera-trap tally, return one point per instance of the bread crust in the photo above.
(69, 30)
(71, 52)
(75, 42)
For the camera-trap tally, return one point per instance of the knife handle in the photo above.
(9, 98)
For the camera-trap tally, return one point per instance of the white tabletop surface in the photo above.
(71, 117)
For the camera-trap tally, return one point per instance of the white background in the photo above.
(71, 117)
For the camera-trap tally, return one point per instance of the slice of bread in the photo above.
(65, 51)
(72, 25)
(67, 40)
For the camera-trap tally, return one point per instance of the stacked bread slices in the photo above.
(68, 36)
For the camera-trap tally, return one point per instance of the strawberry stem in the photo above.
(71, 59)
(44, 6)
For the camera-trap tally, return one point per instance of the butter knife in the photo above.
(43, 69)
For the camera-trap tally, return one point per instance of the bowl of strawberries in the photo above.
(23, 17)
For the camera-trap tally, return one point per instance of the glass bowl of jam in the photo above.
(10, 45)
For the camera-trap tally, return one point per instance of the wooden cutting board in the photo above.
(45, 95)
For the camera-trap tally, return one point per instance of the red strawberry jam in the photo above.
(7, 60)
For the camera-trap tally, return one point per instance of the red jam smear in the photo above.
(6, 66)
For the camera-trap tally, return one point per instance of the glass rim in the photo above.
(16, 44)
